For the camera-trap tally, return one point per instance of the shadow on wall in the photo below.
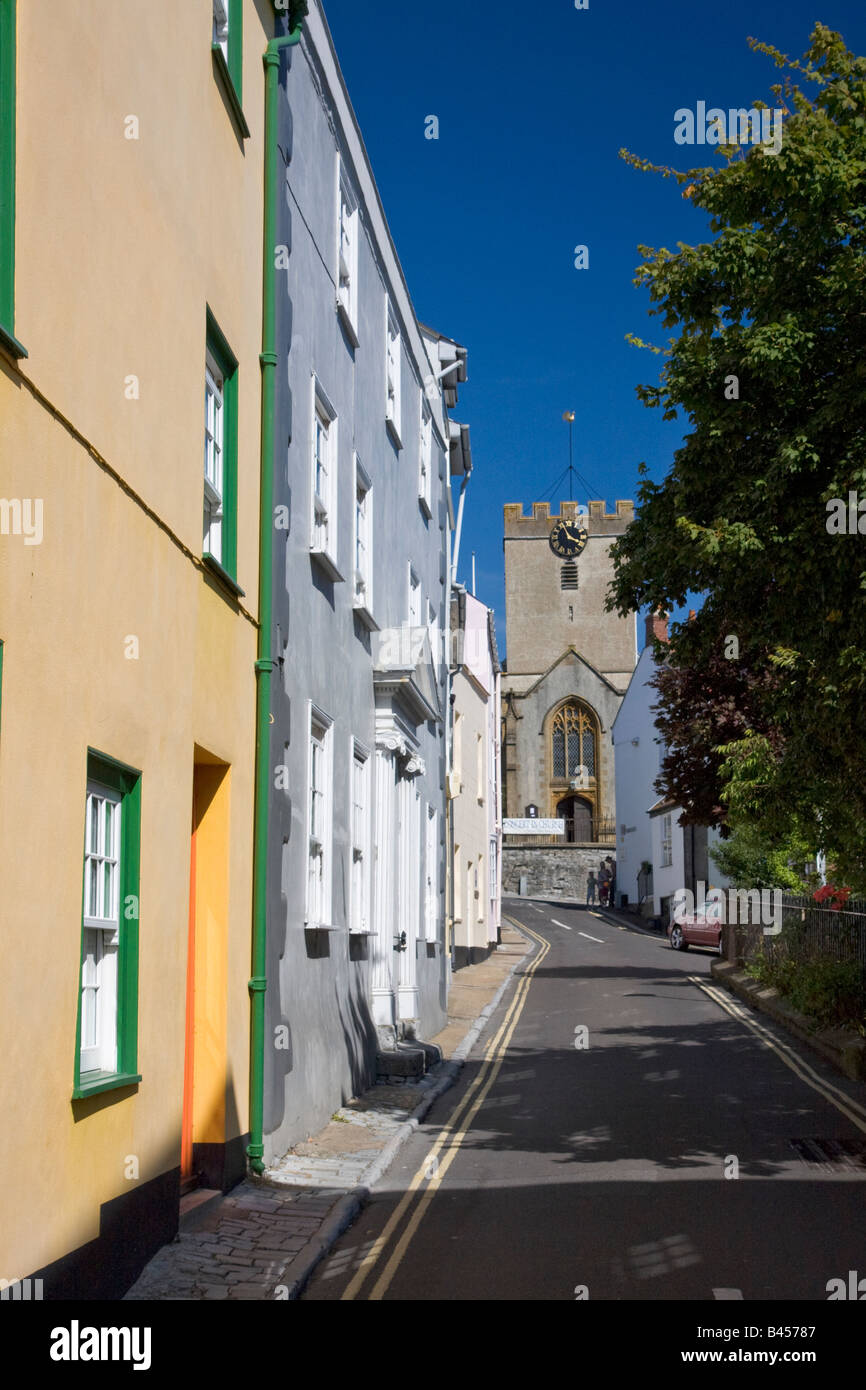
(359, 1037)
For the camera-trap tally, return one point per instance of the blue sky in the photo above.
(534, 102)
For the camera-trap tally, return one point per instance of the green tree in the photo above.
(747, 861)
(769, 367)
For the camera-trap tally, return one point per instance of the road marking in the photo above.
(560, 924)
(792, 1059)
(728, 1293)
(591, 938)
(449, 1135)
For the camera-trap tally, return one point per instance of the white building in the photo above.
(655, 855)
(474, 783)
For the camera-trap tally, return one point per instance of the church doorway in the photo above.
(577, 814)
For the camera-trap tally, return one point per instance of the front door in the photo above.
(577, 814)
(203, 1124)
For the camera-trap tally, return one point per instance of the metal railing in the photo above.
(810, 932)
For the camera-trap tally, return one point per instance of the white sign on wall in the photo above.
(532, 825)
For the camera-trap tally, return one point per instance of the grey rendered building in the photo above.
(363, 513)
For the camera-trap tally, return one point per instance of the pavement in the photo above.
(263, 1240)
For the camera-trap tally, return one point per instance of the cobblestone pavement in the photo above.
(241, 1246)
(263, 1239)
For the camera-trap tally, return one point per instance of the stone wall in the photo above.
(561, 869)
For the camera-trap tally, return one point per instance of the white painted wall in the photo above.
(666, 881)
(636, 767)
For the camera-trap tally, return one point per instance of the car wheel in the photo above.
(678, 941)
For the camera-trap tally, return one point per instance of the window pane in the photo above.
(558, 753)
(90, 976)
(93, 888)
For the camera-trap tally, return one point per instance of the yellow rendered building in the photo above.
(131, 208)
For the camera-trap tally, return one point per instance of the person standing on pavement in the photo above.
(590, 888)
(611, 883)
(603, 884)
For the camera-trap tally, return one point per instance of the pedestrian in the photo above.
(603, 884)
(590, 888)
(611, 887)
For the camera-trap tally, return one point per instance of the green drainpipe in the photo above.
(265, 663)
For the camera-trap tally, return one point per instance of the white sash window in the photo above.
(101, 930)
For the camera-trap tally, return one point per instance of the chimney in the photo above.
(656, 626)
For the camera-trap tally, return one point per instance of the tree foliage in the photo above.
(777, 300)
(748, 862)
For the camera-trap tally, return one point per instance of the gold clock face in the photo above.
(568, 538)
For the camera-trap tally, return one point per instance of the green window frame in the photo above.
(228, 56)
(125, 783)
(221, 354)
(7, 178)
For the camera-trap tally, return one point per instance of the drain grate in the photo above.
(832, 1154)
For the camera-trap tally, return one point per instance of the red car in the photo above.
(695, 929)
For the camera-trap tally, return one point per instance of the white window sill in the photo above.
(349, 328)
(328, 564)
(365, 616)
(320, 926)
(394, 432)
(425, 506)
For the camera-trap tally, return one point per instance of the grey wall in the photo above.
(561, 870)
(319, 983)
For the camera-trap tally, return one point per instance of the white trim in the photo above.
(362, 573)
(425, 457)
(431, 874)
(101, 929)
(319, 837)
(393, 374)
(323, 476)
(360, 916)
(221, 25)
(348, 227)
(214, 458)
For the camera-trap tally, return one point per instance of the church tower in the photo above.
(567, 665)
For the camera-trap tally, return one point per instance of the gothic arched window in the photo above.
(573, 742)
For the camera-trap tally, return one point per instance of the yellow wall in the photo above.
(120, 247)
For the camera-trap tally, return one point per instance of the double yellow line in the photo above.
(849, 1107)
(447, 1145)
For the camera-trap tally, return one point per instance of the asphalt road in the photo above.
(617, 1133)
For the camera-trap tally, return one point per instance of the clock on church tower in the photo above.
(568, 538)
